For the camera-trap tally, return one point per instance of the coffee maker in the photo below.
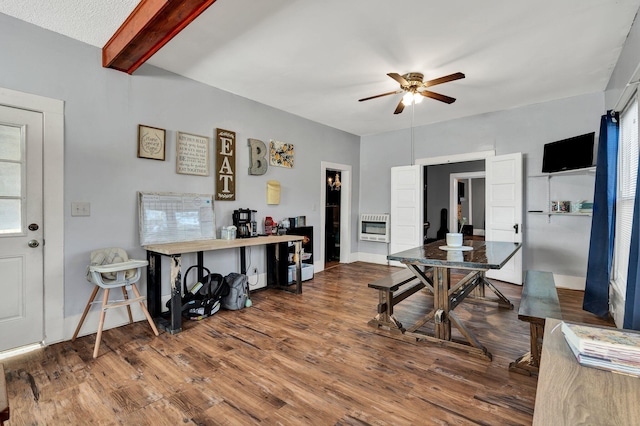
(245, 222)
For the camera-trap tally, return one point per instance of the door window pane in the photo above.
(10, 143)
(10, 216)
(10, 179)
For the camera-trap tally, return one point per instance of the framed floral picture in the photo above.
(151, 142)
(281, 154)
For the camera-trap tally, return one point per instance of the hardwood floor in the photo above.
(305, 359)
(330, 264)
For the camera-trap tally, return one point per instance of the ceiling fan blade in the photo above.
(378, 96)
(445, 79)
(397, 77)
(437, 96)
(399, 108)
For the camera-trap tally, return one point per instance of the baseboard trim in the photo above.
(570, 282)
(380, 259)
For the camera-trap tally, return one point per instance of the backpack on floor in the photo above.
(238, 291)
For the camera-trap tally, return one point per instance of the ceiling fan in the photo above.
(412, 84)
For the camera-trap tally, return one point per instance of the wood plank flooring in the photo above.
(290, 359)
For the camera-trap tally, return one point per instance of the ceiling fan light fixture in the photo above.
(411, 97)
(412, 84)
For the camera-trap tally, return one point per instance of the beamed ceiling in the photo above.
(315, 59)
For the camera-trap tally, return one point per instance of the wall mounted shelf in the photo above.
(589, 171)
(562, 214)
(585, 171)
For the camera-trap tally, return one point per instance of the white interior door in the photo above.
(21, 217)
(504, 210)
(406, 208)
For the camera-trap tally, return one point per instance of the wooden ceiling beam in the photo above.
(149, 27)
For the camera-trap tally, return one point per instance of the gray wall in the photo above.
(478, 218)
(103, 108)
(438, 188)
(102, 111)
(559, 245)
(627, 69)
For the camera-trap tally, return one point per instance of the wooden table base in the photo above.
(446, 299)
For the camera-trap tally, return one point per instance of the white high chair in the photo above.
(112, 268)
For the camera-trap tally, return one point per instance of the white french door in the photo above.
(21, 227)
(406, 208)
(504, 210)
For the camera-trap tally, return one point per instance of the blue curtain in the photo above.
(596, 296)
(632, 301)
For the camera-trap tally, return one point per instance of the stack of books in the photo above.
(585, 207)
(608, 349)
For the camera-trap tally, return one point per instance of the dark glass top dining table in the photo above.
(483, 255)
(432, 264)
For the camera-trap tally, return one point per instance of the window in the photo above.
(12, 176)
(627, 174)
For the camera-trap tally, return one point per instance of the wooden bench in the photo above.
(4, 401)
(392, 290)
(539, 301)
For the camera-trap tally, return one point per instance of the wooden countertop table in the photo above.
(176, 250)
(570, 394)
(169, 249)
(484, 255)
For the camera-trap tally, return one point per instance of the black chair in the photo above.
(442, 232)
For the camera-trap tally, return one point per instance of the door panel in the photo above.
(504, 210)
(11, 304)
(406, 204)
(21, 216)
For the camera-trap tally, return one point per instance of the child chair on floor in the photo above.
(112, 268)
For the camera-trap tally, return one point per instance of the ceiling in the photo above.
(315, 59)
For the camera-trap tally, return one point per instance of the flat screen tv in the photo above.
(568, 154)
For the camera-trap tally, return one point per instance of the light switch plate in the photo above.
(80, 209)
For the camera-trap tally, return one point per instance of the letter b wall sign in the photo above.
(258, 155)
(225, 165)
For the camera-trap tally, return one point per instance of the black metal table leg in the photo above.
(243, 261)
(154, 284)
(176, 295)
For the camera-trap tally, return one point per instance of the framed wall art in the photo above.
(151, 142)
(281, 154)
(192, 154)
(225, 174)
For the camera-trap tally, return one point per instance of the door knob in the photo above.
(33, 243)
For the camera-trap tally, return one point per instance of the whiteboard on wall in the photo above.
(167, 217)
